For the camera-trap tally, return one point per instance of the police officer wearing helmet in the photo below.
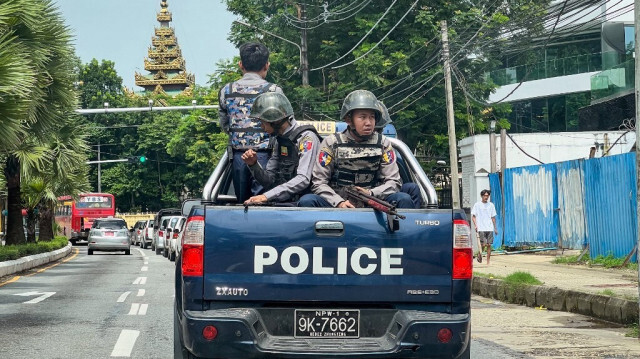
(236, 99)
(409, 188)
(358, 156)
(288, 172)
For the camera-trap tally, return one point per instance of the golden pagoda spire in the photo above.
(164, 61)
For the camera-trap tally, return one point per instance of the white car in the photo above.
(175, 234)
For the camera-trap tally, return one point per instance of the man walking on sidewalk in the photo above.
(483, 215)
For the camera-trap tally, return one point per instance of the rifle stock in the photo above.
(371, 201)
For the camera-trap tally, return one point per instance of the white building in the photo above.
(546, 147)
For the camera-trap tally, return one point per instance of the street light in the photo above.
(150, 104)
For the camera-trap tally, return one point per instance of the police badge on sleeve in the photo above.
(389, 156)
(324, 158)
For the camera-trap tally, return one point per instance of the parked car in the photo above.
(147, 235)
(109, 234)
(138, 229)
(175, 231)
(171, 223)
(157, 244)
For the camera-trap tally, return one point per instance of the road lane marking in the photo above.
(143, 309)
(144, 269)
(138, 309)
(123, 297)
(140, 280)
(140, 292)
(142, 252)
(15, 278)
(146, 263)
(125, 343)
(10, 280)
(75, 254)
(134, 309)
(42, 296)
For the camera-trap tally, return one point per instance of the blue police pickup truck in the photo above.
(287, 282)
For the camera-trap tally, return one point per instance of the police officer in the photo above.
(288, 172)
(358, 156)
(409, 188)
(236, 99)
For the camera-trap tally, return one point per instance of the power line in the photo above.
(383, 38)
(361, 40)
(523, 151)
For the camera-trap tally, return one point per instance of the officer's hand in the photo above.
(346, 204)
(363, 190)
(495, 231)
(250, 157)
(256, 199)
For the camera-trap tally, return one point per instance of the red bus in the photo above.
(75, 218)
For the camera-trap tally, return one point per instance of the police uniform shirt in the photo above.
(388, 175)
(307, 145)
(249, 80)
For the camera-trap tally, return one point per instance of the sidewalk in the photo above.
(610, 294)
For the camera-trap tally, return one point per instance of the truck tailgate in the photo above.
(295, 254)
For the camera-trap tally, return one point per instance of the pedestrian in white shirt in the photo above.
(483, 215)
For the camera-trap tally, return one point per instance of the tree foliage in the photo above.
(393, 49)
(36, 93)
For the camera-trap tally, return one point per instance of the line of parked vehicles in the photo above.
(163, 234)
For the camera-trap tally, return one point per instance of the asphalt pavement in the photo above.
(582, 289)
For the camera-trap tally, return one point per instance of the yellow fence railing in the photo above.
(132, 218)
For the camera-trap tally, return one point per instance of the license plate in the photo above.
(325, 323)
(108, 233)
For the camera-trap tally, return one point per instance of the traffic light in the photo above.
(137, 159)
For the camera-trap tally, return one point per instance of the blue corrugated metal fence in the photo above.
(570, 204)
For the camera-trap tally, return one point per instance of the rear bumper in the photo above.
(242, 334)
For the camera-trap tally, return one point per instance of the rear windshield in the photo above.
(94, 202)
(111, 225)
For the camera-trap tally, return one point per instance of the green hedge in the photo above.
(8, 253)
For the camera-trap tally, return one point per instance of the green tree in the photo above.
(36, 30)
(63, 173)
(393, 49)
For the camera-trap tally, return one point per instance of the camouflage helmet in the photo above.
(360, 100)
(271, 107)
(385, 119)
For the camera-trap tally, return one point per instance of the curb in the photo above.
(612, 309)
(28, 262)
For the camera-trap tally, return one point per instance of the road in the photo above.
(112, 305)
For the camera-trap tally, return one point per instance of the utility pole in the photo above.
(492, 146)
(453, 146)
(304, 61)
(636, 18)
(99, 168)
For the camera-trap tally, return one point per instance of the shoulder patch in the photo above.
(324, 157)
(389, 155)
(306, 144)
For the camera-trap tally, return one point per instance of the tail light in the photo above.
(138, 231)
(462, 250)
(193, 247)
(175, 235)
(160, 233)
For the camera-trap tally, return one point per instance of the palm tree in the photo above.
(39, 90)
(64, 173)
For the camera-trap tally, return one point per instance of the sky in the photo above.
(121, 31)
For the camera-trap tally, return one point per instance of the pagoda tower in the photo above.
(166, 66)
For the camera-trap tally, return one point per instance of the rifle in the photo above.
(354, 195)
